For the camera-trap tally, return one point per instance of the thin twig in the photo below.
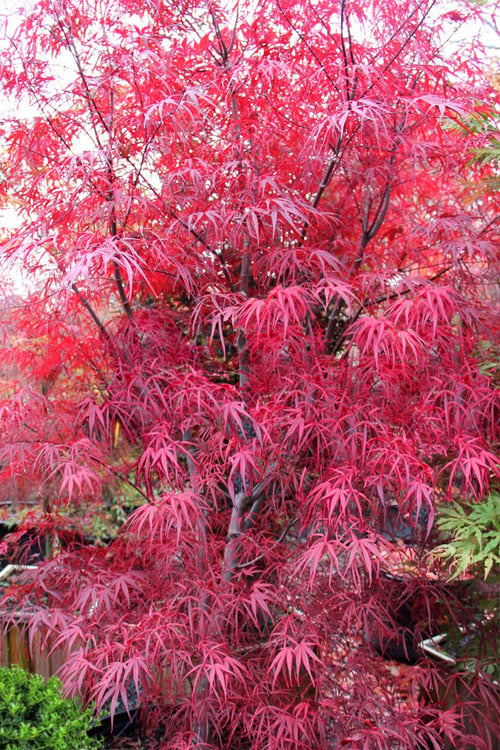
(273, 546)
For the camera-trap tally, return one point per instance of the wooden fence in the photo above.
(43, 658)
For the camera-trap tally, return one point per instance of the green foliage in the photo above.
(35, 716)
(104, 523)
(484, 121)
(474, 543)
(490, 359)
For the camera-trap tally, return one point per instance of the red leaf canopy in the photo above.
(263, 252)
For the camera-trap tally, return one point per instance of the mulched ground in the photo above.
(128, 743)
(130, 740)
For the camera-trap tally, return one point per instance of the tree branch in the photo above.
(278, 541)
(93, 314)
(383, 298)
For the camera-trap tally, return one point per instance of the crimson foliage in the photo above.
(264, 263)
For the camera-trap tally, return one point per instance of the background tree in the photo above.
(263, 282)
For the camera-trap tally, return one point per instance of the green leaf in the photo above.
(474, 543)
(35, 716)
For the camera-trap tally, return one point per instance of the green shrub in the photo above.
(472, 549)
(35, 716)
(474, 536)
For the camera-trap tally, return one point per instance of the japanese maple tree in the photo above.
(266, 270)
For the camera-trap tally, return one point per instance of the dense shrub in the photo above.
(35, 716)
